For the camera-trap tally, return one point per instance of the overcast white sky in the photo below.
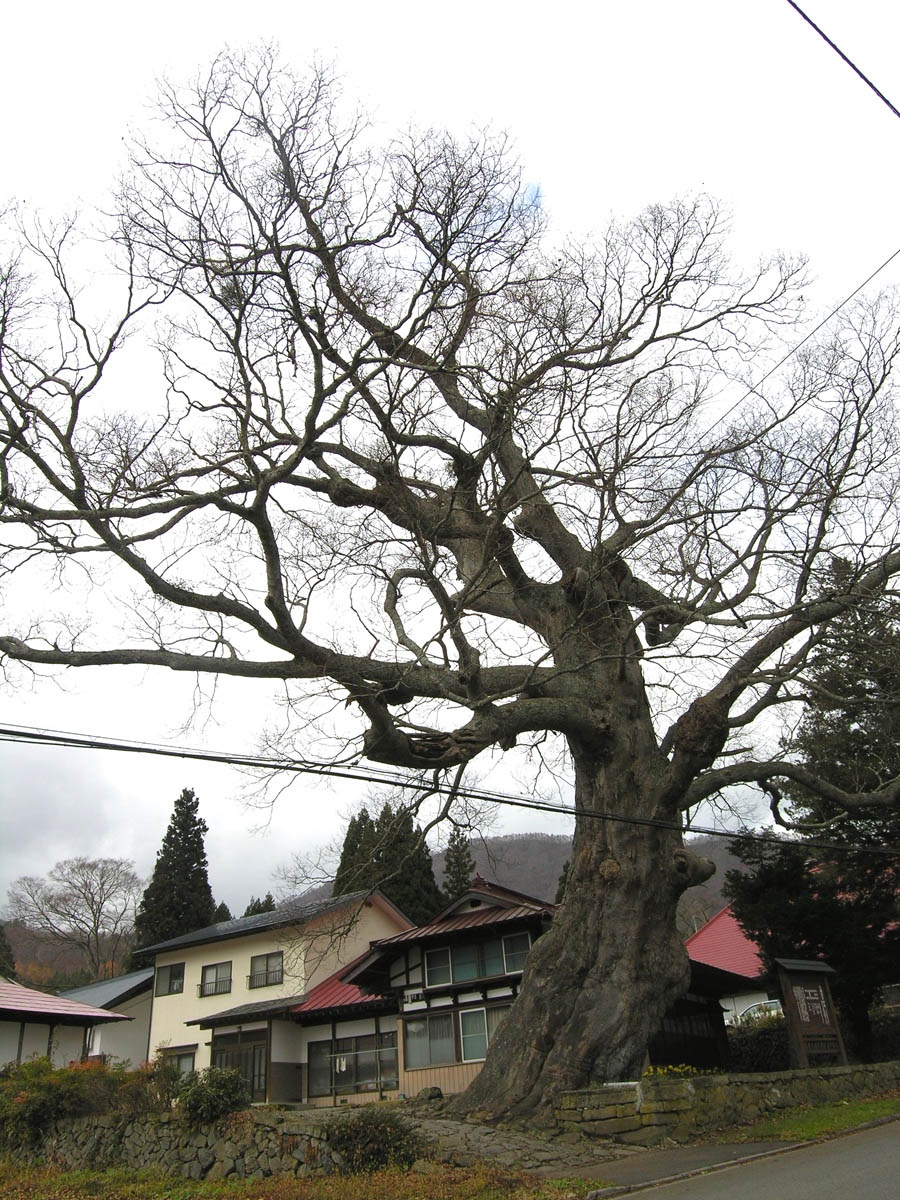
(612, 106)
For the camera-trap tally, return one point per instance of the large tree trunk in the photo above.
(598, 982)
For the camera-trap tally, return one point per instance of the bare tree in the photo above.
(86, 903)
(485, 490)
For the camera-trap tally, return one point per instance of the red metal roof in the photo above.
(24, 1003)
(722, 943)
(334, 993)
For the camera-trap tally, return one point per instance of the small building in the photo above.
(129, 995)
(34, 1025)
(226, 995)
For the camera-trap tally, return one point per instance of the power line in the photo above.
(29, 735)
(852, 65)
(755, 386)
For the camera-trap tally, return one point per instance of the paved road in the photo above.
(860, 1166)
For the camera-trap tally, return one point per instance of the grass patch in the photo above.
(809, 1122)
(447, 1183)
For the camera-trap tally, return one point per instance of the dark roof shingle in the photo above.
(292, 912)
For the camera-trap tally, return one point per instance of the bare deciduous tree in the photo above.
(487, 492)
(86, 903)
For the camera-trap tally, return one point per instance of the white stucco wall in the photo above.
(66, 1045)
(125, 1040)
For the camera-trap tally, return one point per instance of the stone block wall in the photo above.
(248, 1145)
(653, 1109)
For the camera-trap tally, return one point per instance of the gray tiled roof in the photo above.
(109, 992)
(292, 912)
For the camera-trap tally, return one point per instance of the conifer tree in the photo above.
(459, 865)
(389, 853)
(178, 898)
(356, 869)
(405, 865)
(222, 913)
(257, 906)
(7, 959)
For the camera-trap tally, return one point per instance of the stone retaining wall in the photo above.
(669, 1107)
(250, 1144)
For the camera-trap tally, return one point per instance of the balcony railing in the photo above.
(214, 987)
(265, 978)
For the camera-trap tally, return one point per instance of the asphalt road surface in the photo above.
(859, 1166)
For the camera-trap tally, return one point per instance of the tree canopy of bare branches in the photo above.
(487, 486)
(86, 903)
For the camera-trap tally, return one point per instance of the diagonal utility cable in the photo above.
(852, 65)
(27, 735)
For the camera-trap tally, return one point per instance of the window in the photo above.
(353, 1064)
(437, 967)
(473, 1034)
(477, 960)
(170, 980)
(431, 1039)
(515, 951)
(477, 1027)
(266, 969)
(216, 979)
(182, 1060)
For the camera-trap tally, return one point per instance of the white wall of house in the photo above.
(331, 941)
(125, 1040)
(66, 1042)
(288, 1043)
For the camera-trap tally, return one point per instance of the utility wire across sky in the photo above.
(30, 735)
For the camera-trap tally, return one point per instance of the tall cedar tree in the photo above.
(459, 865)
(257, 906)
(178, 898)
(390, 853)
(222, 913)
(842, 906)
(7, 959)
(387, 383)
(356, 868)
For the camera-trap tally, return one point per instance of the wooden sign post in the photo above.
(813, 1030)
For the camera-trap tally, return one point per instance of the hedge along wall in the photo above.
(668, 1107)
(249, 1144)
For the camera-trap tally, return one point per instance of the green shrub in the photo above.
(151, 1088)
(759, 1045)
(204, 1096)
(34, 1094)
(373, 1137)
